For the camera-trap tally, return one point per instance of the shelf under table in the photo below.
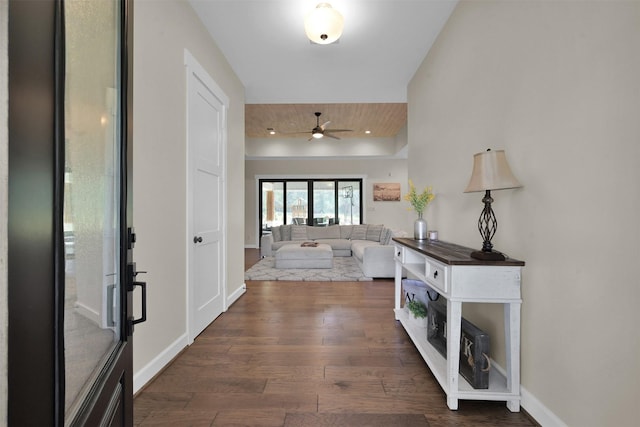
(438, 364)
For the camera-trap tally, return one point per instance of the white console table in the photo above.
(449, 269)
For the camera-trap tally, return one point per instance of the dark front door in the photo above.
(70, 272)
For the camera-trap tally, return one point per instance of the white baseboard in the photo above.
(144, 375)
(253, 246)
(538, 411)
(237, 294)
(543, 415)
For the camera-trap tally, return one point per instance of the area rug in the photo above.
(345, 269)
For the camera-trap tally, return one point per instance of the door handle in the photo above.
(143, 286)
(131, 285)
(197, 239)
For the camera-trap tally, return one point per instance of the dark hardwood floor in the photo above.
(307, 354)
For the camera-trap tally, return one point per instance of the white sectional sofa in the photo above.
(369, 244)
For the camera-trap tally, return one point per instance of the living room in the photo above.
(554, 84)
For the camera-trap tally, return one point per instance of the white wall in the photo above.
(4, 168)
(392, 214)
(270, 148)
(162, 30)
(556, 85)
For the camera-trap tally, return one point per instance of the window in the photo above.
(349, 202)
(324, 203)
(318, 202)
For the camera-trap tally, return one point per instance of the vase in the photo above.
(420, 228)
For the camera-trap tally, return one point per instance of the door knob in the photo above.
(197, 239)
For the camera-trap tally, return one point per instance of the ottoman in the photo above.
(296, 256)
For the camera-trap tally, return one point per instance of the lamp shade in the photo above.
(491, 172)
(323, 24)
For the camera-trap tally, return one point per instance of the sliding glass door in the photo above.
(271, 208)
(317, 202)
(324, 203)
(297, 206)
(349, 202)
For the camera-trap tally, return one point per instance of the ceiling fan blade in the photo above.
(292, 133)
(338, 130)
(325, 123)
(330, 135)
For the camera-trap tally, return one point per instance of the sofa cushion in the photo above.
(374, 231)
(299, 232)
(276, 232)
(277, 245)
(331, 232)
(345, 231)
(337, 244)
(357, 247)
(359, 232)
(285, 231)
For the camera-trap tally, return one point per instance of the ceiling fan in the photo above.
(320, 131)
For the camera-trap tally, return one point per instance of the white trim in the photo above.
(193, 67)
(235, 296)
(252, 246)
(191, 63)
(543, 415)
(146, 374)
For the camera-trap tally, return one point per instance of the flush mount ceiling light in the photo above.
(323, 24)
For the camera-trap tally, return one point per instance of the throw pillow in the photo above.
(385, 237)
(331, 232)
(277, 235)
(345, 231)
(359, 232)
(298, 232)
(374, 231)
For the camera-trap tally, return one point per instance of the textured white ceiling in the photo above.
(383, 43)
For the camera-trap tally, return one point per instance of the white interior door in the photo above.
(206, 139)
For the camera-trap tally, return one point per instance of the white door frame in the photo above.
(192, 66)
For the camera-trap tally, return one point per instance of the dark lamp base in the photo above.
(488, 256)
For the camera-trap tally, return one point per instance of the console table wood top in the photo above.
(450, 253)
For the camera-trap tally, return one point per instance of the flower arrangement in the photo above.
(419, 201)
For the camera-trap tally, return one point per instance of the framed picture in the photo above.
(386, 192)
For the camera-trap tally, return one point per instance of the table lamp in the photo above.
(490, 172)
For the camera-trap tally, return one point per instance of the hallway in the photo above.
(307, 354)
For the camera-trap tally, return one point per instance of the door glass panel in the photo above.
(297, 202)
(324, 203)
(91, 193)
(349, 202)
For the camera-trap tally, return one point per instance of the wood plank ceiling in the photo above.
(297, 120)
